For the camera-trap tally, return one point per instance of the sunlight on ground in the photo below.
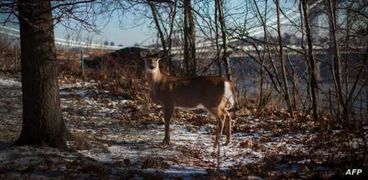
(124, 135)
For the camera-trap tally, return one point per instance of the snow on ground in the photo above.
(4, 82)
(10, 107)
(115, 135)
(123, 136)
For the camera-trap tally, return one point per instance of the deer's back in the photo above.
(190, 92)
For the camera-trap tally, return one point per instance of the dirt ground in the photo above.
(116, 136)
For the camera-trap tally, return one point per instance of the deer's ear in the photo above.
(143, 54)
(161, 54)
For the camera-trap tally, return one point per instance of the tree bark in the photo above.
(157, 23)
(225, 58)
(282, 63)
(261, 102)
(311, 62)
(42, 118)
(166, 40)
(336, 70)
(218, 50)
(160, 32)
(189, 39)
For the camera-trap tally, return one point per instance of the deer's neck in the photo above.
(155, 77)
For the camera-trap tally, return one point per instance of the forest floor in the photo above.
(119, 136)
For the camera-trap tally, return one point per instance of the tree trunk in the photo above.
(218, 50)
(261, 102)
(189, 39)
(282, 63)
(311, 62)
(225, 58)
(157, 23)
(42, 118)
(166, 40)
(171, 30)
(160, 32)
(336, 71)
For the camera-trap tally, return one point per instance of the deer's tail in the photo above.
(230, 95)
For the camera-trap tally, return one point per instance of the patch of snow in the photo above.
(82, 84)
(9, 82)
(83, 93)
(184, 172)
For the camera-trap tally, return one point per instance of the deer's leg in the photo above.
(220, 124)
(228, 127)
(168, 112)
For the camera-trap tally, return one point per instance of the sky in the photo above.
(127, 32)
(136, 29)
(132, 29)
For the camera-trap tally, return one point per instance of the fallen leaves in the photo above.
(247, 144)
(120, 128)
(155, 162)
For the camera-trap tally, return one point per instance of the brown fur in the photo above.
(171, 92)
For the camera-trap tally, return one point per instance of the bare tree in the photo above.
(42, 120)
(218, 50)
(312, 81)
(263, 18)
(336, 70)
(166, 38)
(221, 20)
(189, 39)
(282, 62)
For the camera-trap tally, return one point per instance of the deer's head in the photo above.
(151, 62)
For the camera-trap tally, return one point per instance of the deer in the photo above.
(214, 93)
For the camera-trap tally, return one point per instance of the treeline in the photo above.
(329, 38)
